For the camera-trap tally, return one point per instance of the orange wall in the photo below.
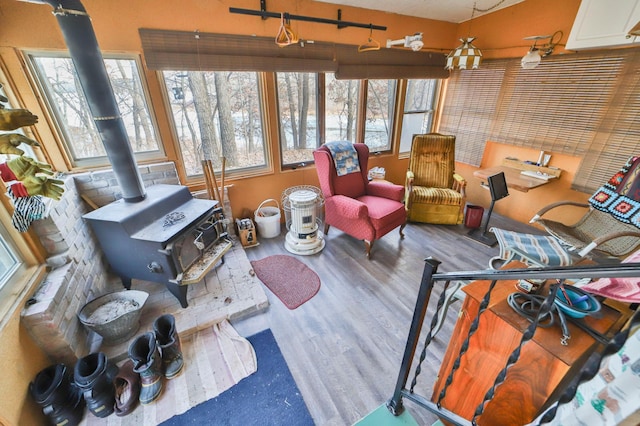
(526, 204)
(116, 22)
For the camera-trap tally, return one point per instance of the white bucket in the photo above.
(267, 219)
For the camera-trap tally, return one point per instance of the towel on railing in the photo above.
(345, 157)
(620, 196)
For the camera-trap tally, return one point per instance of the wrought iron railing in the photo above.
(430, 277)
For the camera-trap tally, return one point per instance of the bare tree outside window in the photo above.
(379, 115)
(298, 112)
(341, 108)
(217, 114)
(66, 98)
(419, 107)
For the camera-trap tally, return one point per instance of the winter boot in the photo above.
(147, 362)
(94, 376)
(58, 396)
(169, 342)
(127, 384)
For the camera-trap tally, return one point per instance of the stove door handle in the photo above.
(155, 268)
(198, 241)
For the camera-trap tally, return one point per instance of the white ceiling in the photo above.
(442, 10)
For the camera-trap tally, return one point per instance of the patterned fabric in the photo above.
(432, 196)
(26, 210)
(541, 249)
(344, 156)
(439, 196)
(620, 196)
(432, 160)
(623, 289)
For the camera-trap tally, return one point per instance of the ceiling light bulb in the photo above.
(531, 59)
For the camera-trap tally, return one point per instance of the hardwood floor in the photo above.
(344, 346)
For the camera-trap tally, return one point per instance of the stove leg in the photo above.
(180, 292)
(126, 282)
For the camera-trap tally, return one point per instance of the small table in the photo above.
(514, 178)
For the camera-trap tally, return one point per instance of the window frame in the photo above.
(430, 112)
(247, 172)
(363, 104)
(319, 113)
(27, 270)
(59, 124)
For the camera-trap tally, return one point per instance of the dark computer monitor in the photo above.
(498, 186)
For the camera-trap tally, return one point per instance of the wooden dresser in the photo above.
(544, 362)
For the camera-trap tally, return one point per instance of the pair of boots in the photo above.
(57, 394)
(156, 354)
(63, 398)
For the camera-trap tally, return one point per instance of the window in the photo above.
(10, 261)
(298, 112)
(14, 267)
(216, 114)
(379, 114)
(59, 80)
(341, 108)
(419, 107)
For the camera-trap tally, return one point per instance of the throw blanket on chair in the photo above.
(344, 156)
(620, 196)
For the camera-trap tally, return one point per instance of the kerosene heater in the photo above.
(303, 213)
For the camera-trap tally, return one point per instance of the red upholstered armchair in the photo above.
(365, 210)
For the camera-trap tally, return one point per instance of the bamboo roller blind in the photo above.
(585, 105)
(196, 51)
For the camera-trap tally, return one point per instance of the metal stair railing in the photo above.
(428, 280)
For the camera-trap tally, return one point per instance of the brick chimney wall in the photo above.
(78, 271)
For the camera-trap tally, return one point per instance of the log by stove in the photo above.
(169, 237)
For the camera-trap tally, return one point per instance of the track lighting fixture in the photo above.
(412, 41)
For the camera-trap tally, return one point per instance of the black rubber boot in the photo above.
(169, 342)
(58, 396)
(94, 376)
(147, 362)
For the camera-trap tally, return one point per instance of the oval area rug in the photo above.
(289, 279)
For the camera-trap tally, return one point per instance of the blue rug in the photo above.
(269, 396)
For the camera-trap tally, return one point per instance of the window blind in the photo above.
(166, 50)
(470, 107)
(618, 135)
(559, 105)
(585, 105)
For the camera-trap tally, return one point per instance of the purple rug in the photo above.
(289, 279)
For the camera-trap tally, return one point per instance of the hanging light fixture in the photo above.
(536, 53)
(465, 56)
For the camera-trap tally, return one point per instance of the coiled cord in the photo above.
(528, 306)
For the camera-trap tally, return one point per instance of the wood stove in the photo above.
(169, 237)
(164, 235)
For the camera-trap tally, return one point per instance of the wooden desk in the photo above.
(543, 363)
(514, 179)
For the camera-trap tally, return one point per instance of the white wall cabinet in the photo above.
(604, 23)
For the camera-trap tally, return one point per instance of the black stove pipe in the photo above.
(86, 56)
